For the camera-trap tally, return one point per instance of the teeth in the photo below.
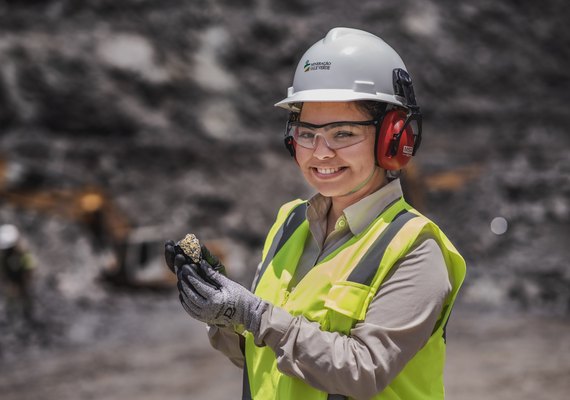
(327, 171)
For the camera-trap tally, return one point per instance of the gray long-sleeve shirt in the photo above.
(398, 323)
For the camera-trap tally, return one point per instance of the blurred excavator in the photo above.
(131, 256)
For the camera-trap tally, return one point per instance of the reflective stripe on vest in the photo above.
(366, 269)
(293, 221)
(246, 391)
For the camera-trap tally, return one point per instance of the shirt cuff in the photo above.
(274, 324)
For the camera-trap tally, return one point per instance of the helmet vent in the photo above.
(364, 87)
(337, 33)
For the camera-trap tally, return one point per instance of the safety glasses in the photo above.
(337, 135)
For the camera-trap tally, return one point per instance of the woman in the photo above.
(355, 287)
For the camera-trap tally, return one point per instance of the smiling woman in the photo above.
(355, 287)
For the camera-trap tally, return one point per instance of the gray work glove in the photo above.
(227, 304)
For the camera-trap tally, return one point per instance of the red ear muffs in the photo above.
(393, 153)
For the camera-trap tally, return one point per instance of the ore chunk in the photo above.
(191, 247)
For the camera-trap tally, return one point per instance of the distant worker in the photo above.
(355, 287)
(16, 267)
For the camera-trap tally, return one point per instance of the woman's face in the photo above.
(337, 173)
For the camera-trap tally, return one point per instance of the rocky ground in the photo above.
(149, 349)
(167, 106)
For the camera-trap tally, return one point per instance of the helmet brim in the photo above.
(335, 95)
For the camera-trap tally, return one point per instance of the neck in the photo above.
(375, 181)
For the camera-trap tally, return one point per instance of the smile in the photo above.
(328, 172)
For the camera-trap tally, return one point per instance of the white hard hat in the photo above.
(347, 65)
(9, 236)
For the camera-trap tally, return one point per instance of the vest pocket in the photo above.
(348, 302)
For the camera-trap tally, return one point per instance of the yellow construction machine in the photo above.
(131, 256)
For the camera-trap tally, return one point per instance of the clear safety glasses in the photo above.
(336, 135)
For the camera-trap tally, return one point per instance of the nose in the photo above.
(322, 150)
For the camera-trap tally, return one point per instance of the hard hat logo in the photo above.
(319, 65)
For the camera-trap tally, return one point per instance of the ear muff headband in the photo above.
(403, 87)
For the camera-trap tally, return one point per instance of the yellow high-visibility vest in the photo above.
(336, 293)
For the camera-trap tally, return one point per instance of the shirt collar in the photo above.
(316, 214)
(360, 214)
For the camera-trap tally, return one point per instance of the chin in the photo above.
(330, 190)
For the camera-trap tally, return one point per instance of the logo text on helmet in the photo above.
(317, 65)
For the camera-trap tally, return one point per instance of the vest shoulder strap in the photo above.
(366, 269)
(295, 218)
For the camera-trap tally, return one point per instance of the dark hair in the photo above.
(294, 115)
(373, 108)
